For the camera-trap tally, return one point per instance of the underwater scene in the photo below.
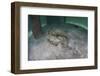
(57, 37)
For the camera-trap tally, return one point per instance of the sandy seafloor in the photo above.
(77, 46)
